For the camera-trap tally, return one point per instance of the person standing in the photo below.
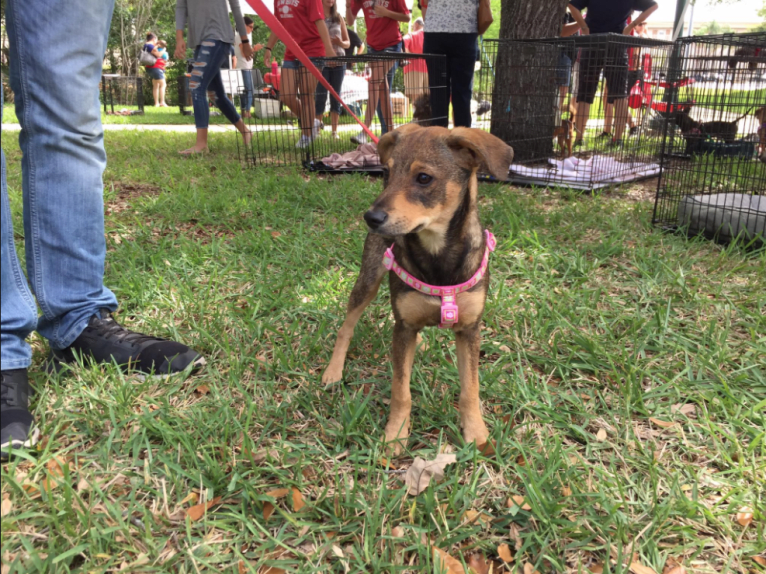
(62, 163)
(333, 72)
(304, 21)
(211, 38)
(452, 29)
(604, 17)
(382, 18)
(245, 65)
(416, 72)
(356, 44)
(157, 70)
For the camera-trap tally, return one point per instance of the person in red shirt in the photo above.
(416, 72)
(304, 21)
(382, 19)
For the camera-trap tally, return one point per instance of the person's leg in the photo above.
(156, 92)
(163, 89)
(289, 93)
(608, 112)
(384, 108)
(322, 93)
(247, 97)
(587, 84)
(336, 81)
(307, 88)
(438, 79)
(462, 64)
(616, 79)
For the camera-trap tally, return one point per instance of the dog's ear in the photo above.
(387, 142)
(479, 149)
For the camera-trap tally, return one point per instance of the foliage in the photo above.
(712, 28)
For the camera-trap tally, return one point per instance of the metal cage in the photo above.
(122, 95)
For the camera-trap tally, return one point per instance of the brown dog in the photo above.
(565, 134)
(760, 115)
(428, 210)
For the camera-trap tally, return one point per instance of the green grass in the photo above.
(595, 324)
(151, 115)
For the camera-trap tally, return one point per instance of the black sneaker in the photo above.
(603, 135)
(104, 340)
(16, 422)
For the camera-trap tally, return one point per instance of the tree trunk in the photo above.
(524, 97)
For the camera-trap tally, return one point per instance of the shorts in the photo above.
(296, 64)
(635, 76)
(395, 48)
(563, 70)
(156, 73)
(613, 60)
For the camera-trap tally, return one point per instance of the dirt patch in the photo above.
(126, 194)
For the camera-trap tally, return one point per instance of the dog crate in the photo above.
(277, 128)
(713, 179)
(557, 101)
(122, 95)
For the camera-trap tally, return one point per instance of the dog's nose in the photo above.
(375, 218)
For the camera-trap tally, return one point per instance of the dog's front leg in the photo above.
(468, 341)
(398, 426)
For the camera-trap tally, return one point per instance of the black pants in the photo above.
(456, 82)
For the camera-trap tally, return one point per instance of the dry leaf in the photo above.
(268, 510)
(337, 551)
(397, 532)
(297, 500)
(471, 516)
(278, 492)
(745, 516)
(687, 409)
(597, 568)
(529, 569)
(420, 474)
(198, 510)
(638, 568)
(760, 560)
(202, 390)
(275, 234)
(261, 455)
(241, 568)
(385, 463)
(515, 532)
(271, 570)
(504, 551)
(192, 497)
(663, 424)
(674, 569)
(6, 508)
(601, 435)
(517, 500)
(448, 564)
(566, 491)
(477, 564)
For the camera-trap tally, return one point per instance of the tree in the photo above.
(713, 28)
(525, 92)
(762, 26)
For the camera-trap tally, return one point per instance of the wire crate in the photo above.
(554, 100)
(122, 95)
(713, 178)
(278, 129)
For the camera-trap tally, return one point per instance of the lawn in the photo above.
(622, 369)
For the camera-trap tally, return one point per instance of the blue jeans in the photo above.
(455, 84)
(390, 76)
(206, 75)
(334, 75)
(247, 94)
(54, 75)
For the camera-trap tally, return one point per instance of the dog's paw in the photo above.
(332, 375)
(477, 432)
(397, 433)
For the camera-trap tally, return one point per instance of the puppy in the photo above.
(760, 115)
(565, 134)
(421, 113)
(428, 215)
(723, 130)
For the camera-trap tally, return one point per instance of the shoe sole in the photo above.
(8, 447)
(56, 366)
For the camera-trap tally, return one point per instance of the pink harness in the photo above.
(449, 311)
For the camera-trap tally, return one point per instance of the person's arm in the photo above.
(234, 62)
(351, 12)
(577, 15)
(360, 50)
(329, 51)
(345, 41)
(181, 15)
(641, 18)
(423, 7)
(239, 24)
(385, 12)
(270, 43)
(569, 29)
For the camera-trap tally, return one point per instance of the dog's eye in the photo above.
(424, 179)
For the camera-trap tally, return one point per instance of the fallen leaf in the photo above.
(478, 564)
(529, 569)
(487, 448)
(745, 516)
(6, 507)
(420, 474)
(687, 409)
(397, 532)
(760, 560)
(271, 570)
(471, 516)
(597, 568)
(268, 510)
(278, 492)
(297, 500)
(337, 550)
(566, 491)
(192, 497)
(275, 234)
(261, 455)
(447, 563)
(515, 532)
(198, 510)
(663, 424)
(385, 463)
(601, 435)
(505, 348)
(55, 467)
(674, 569)
(504, 551)
(202, 390)
(517, 500)
(241, 568)
(638, 568)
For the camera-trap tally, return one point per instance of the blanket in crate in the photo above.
(595, 169)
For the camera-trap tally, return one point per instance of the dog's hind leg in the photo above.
(403, 351)
(366, 287)
(468, 343)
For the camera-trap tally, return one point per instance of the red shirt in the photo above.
(413, 43)
(382, 32)
(299, 17)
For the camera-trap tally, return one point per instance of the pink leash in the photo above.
(276, 26)
(449, 310)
